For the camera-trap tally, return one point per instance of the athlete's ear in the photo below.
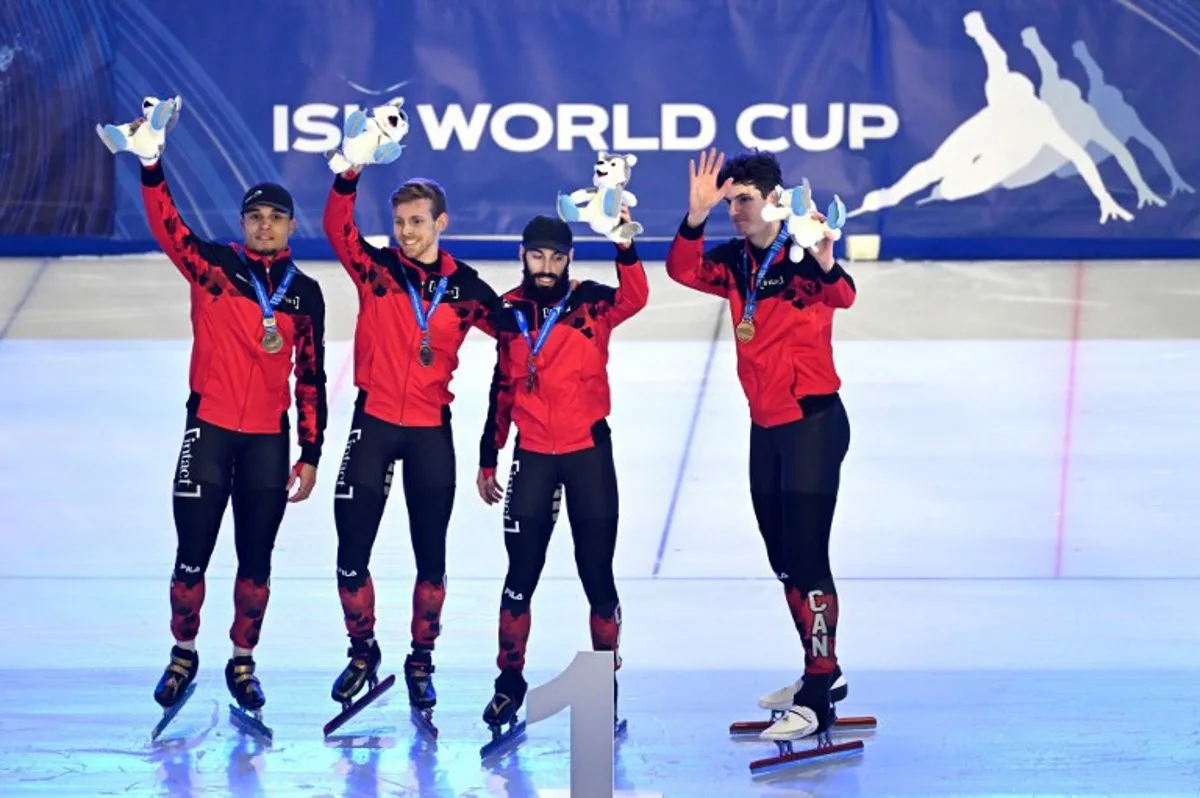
(521, 252)
(442, 222)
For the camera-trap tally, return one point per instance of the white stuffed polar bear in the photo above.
(371, 137)
(796, 206)
(600, 207)
(146, 136)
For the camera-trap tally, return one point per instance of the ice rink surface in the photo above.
(1015, 548)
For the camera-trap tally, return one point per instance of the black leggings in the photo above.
(535, 491)
(364, 482)
(795, 473)
(214, 465)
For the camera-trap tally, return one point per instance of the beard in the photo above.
(545, 294)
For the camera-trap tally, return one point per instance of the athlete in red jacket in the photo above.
(416, 305)
(783, 315)
(251, 309)
(551, 382)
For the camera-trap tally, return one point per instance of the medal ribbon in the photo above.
(419, 311)
(752, 289)
(551, 319)
(268, 307)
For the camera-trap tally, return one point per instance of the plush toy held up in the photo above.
(371, 137)
(600, 207)
(146, 136)
(796, 206)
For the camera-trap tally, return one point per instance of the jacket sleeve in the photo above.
(837, 287)
(688, 263)
(500, 404)
(483, 315)
(194, 257)
(312, 410)
(357, 257)
(633, 290)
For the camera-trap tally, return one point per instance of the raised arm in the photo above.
(837, 287)
(688, 263)
(633, 289)
(193, 256)
(357, 256)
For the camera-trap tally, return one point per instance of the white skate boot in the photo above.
(781, 700)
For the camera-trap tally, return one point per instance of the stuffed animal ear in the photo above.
(602, 156)
(631, 160)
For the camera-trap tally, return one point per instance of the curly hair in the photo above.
(757, 168)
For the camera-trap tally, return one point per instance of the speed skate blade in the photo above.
(359, 705)
(818, 754)
(169, 714)
(619, 728)
(423, 720)
(250, 723)
(847, 724)
(504, 741)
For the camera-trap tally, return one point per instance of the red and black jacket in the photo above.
(394, 386)
(790, 356)
(235, 383)
(567, 409)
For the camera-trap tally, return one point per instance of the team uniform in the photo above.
(250, 313)
(551, 383)
(412, 319)
(799, 431)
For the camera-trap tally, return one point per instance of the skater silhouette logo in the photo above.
(1028, 132)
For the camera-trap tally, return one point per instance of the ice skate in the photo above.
(362, 670)
(502, 711)
(780, 701)
(175, 686)
(418, 676)
(245, 688)
(811, 713)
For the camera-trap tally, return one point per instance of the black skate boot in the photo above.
(365, 659)
(502, 711)
(363, 670)
(243, 684)
(176, 686)
(247, 691)
(418, 676)
(177, 678)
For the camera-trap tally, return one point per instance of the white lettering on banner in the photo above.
(863, 120)
(528, 127)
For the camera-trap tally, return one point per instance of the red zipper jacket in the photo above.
(387, 340)
(568, 408)
(235, 383)
(790, 356)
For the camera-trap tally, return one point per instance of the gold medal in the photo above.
(272, 341)
(744, 330)
(426, 355)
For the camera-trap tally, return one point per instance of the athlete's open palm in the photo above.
(703, 191)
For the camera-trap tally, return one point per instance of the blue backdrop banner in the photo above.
(1013, 128)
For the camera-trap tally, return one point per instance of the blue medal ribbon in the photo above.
(535, 347)
(419, 311)
(752, 289)
(268, 306)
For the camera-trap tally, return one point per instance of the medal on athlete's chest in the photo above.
(425, 353)
(745, 329)
(535, 346)
(272, 341)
